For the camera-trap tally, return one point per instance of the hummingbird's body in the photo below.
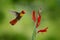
(18, 17)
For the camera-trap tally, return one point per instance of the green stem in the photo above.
(34, 33)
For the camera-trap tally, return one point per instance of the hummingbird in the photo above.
(18, 17)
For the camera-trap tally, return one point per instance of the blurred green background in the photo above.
(24, 28)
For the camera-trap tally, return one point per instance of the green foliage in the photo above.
(50, 18)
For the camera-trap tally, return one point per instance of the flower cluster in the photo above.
(37, 20)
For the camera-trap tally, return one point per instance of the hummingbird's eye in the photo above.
(23, 11)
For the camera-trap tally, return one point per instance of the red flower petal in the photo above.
(38, 20)
(34, 16)
(43, 30)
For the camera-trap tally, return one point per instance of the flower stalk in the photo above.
(37, 21)
(34, 33)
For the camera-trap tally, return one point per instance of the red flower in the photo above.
(34, 16)
(38, 20)
(43, 30)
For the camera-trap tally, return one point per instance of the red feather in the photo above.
(13, 22)
(23, 11)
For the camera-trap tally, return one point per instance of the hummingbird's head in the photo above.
(23, 12)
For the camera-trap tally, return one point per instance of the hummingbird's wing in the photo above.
(14, 13)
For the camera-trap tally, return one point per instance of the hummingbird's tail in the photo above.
(13, 22)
